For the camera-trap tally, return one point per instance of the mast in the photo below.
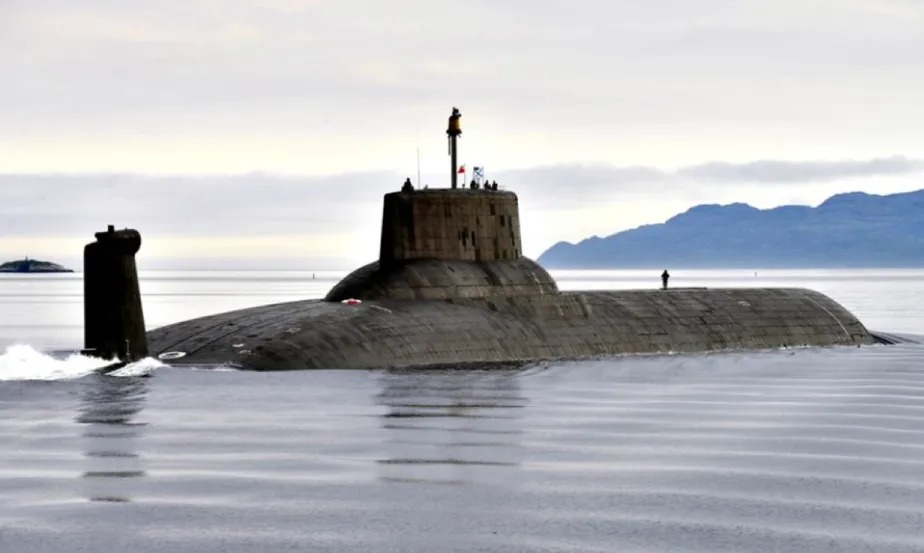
(454, 131)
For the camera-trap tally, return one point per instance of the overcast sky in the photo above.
(271, 128)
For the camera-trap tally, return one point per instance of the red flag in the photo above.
(462, 168)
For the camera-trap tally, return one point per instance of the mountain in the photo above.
(847, 230)
(32, 266)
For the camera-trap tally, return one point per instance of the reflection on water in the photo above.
(107, 410)
(450, 426)
(815, 451)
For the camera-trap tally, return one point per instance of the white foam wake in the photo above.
(21, 362)
(141, 367)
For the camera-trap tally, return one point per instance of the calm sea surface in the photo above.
(801, 450)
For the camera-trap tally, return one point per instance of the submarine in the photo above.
(451, 287)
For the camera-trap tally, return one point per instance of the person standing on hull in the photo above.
(664, 276)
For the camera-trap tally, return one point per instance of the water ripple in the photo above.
(812, 451)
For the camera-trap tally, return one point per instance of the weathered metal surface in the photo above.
(389, 333)
(430, 279)
(463, 224)
(113, 317)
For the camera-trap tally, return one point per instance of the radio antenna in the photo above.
(419, 184)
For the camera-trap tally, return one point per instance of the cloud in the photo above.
(591, 99)
(286, 6)
(595, 80)
(251, 204)
(330, 207)
(334, 221)
(572, 185)
(770, 171)
(263, 204)
(569, 186)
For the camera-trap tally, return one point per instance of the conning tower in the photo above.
(447, 243)
(450, 225)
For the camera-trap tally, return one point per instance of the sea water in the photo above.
(784, 450)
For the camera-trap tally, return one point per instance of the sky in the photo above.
(265, 132)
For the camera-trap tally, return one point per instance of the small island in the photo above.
(32, 266)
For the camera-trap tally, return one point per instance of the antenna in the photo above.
(453, 132)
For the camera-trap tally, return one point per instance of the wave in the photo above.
(23, 362)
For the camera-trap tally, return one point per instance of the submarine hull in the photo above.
(318, 334)
(451, 286)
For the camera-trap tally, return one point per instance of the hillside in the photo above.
(847, 230)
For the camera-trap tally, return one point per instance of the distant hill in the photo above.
(32, 266)
(847, 230)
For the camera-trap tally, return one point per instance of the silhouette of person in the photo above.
(664, 276)
(408, 187)
(494, 185)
